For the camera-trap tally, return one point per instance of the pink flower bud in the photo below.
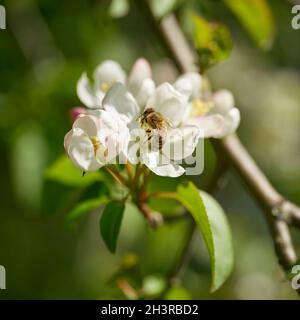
(76, 112)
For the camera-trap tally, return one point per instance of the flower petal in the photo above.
(233, 119)
(169, 102)
(211, 126)
(161, 165)
(81, 151)
(170, 170)
(108, 73)
(85, 92)
(137, 146)
(140, 71)
(114, 135)
(67, 140)
(145, 91)
(89, 124)
(218, 126)
(119, 101)
(189, 84)
(224, 101)
(181, 142)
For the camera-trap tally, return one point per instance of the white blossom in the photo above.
(158, 138)
(158, 127)
(95, 141)
(214, 113)
(139, 82)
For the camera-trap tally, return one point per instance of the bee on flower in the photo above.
(158, 137)
(156, 126)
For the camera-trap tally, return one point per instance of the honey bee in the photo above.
(155, 126)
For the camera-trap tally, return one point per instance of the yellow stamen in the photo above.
(201, 107)
(96, 143)
(105, 86)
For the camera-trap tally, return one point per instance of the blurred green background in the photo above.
(43, 51)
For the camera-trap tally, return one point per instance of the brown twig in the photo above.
(162, 194)
(154, 218)
(127, 289)
(278, 211)
(116, 175)
(128, 168)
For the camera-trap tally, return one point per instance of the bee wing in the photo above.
(168, 124)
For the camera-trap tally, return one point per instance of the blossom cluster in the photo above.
(130, 118)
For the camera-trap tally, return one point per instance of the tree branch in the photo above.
(273, 204)
(278, 211)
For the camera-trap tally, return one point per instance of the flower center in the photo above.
(201, 107)
(99, 150)
(105, 86)
(96, 143)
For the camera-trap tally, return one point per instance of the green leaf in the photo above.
(212, 41)
(110, 223)
(119, 8)
(256, 17)
(213, 224)
(63, 171)
(222, 237)
(85, 207)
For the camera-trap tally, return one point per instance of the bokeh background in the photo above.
(43, 51)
